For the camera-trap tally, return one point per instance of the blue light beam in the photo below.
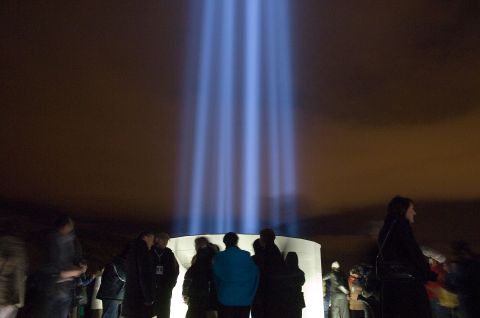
(250, 215)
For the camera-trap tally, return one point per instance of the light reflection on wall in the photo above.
(308, 256)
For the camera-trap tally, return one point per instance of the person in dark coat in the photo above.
(166, 273)
(258, 305)
(112, 287)
(60, 270)
(272, 275)
(138, 299)
(198, 288)
(401, 264)
(294, 280)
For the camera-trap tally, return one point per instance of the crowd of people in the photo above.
(405, 280)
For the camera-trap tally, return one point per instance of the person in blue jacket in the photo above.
(236, 278)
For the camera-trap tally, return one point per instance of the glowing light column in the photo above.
(251, 178)
(225, 155)
(242, 74)
(201, 124)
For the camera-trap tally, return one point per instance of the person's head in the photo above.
(267, 236)
(230, 239)
(335, 266)
(257, 246)
(161, 239)
(64, 224)
(291, 260)
(402, 207)
(148, 237)
(201, 242)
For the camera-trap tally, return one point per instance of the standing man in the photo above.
(236, 278)
(61, 269)
(338, 292)
(166, 273)
(138, 299)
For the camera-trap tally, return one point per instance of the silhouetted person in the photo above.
(258, 305)
(166, 273)
(272, 272)
(112, 287)
(236, 278)
(338, 292)
(60, 270)
(198, 288)
(138, 299)
(294, 280)
(403, 268)
(12, 275)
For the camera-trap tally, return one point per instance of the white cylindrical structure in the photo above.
(309, 260)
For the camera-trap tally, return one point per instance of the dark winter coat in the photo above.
(166, 271)
(401, 250)
(198, 284)
(113, 280)
(139, 285)
(404, 271)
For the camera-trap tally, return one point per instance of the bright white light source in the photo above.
(309, 261)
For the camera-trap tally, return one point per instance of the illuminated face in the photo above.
(149, 240)
(67, 228)
(161, 242)
(410, 214)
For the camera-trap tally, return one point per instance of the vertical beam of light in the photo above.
(215, 196)
(201, 120)
(225, 154)
(251, 118)
(185, 155)
(287, 118)
(273, 128)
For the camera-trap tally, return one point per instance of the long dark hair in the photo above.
(398, 206)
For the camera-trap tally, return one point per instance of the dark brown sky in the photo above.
(387, 102)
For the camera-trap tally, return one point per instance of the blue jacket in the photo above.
(236, 277)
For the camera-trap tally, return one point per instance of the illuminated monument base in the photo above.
(308, 257)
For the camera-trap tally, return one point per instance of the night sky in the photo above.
(387, 101)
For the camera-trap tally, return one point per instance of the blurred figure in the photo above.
(294, 280)
(401, 265)
(112, 286)
(138, 299)
(464, 278)
(326, 298)
(338, 292)
(80, 297)
(60, 270)
(236, 279)
(166, 273)
(356, 305)
(198, 288)
(12, 276)
(437, 290)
